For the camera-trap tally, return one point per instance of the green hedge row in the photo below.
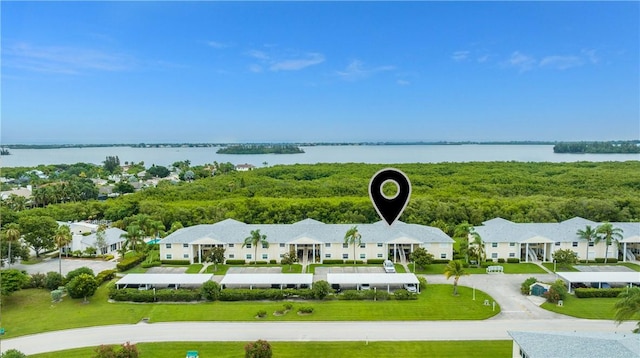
(513, 260)
(129, 262)
(610, 260)
(598, 292)
(106, 275)
(273, 294)
(163, 295)
(375, 261)
(176, 262)
(150, 264)
(379, 295)
(235, 262)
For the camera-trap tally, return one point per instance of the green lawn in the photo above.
(312, 268)
(31, 311)
(523, 267)
(549, 265)
(469, 349)
(222, 269)
(590, 308)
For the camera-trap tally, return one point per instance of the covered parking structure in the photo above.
(267, 280)
(145, 281)
(627, 278)
(373, 279)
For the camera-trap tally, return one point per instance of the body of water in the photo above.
(382, 154)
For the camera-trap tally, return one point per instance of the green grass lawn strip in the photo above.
(470, 349)
(31, 311)
(194, 268)
(590, 308)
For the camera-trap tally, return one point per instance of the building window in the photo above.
(363, 256)
(248, 246)
(248, 257)
(591, 243)
(574, 244)
(185, 245)
(168, 246)
(168, 256)
(363, 245)
(265, 245)
(231, 245)
(265, 256)
(494, 244)
(557, 243)
(327, 256)
(345, 256)
(512, 254)
(232, 256)
(443, 256)
(185, 256)
(512, 244)
(282, 245)
(328, 244)
(345, 246)
(379, 256)
(494, 255)
(380, 244)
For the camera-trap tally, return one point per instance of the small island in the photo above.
(261, 149)
(4, 151)
(612, 147)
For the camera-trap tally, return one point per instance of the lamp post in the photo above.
(474, 292)
(554, 265)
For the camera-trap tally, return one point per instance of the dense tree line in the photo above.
(443, 195)
(261, 149)
(598, 147)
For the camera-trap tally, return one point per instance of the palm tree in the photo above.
(11, 234)
(456, 269)
(62, 238)
(133, 238)
(607, 233)
(589, 234)
(353, 237)
(477, 240)
(255, 239)
(628, 306)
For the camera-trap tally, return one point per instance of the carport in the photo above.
(373, 279)
(281, 280)
(162, 280)
(600, 277)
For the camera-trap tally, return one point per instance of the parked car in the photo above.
(411, 287)
(365, 287)
(388, 266)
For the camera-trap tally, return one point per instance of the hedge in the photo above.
(176, 262)
(273, 294)
(129, 262)
(150, 264)
(598, 292)
(513, 260)
(163, 295)
(236, 262)
(375, 261)
(610, 260)
(440, 261)
(106, 275)
(332, 262)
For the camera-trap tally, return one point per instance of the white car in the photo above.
(365, 287)
(388, 266)
(411, 287)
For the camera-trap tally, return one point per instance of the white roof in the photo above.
(626, 277)
(371, 278)
(164, 279)
(577, 344)
(267, 279)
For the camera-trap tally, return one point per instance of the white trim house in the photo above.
(531, 242)
(312, 241)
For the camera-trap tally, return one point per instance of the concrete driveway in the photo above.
(68, 264)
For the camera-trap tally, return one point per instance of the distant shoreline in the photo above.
(301, 144)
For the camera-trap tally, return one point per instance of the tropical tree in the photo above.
(216, 255)
(628, 306)
(353, 237)
(62, 238)
(258, 349)
(421, 257)
(479, 246)
(83, 285)
(11, 235)
(255, 239)
(101, 239)
(12, 281)
(609, 234)
(289, 258)
(565, 257)
(133, 238)
(589, 234)
(38, 232)
(456, 270)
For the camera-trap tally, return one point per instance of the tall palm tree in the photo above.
(11, 234)
(589, 234)
(254, 239)
(607, 233)
(628, 306)
(133, 238)
(353, 237)
(477, 240)
(62, 238)
(456, 269)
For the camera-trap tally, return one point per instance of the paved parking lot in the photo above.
(603, 269)
(254, 270)
(67, 265)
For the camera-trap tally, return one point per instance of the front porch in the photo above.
(536, 249)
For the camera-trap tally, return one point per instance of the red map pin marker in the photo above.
(390, 207)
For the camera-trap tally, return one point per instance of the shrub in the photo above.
(108, 257)
(13, 353)
(351, 295)
(513, 260)
(37, 280)
(525, 288)
(500, 260)
(259, 262)
(236, 262)
(53, 280)
(376, 295)
(176, 262)
(423, 283)
(610, 260)
(106, 275)
(598, 292)
(288, 306)
(332, 262)
(440, 261)
(404, 295)
(375, 261)
(258, 349)
(261, 314)
(82, 286)
(305, 309)
(56, 295)
(129, 262)
(147, 264)
(127, 350)
(179, 295)
(210, 291)
(77, 272)
(273, 262)
(321, 289)
(556, 292)
(163, 295)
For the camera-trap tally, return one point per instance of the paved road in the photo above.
(298, 332)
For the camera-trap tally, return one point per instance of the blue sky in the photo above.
(131, 72)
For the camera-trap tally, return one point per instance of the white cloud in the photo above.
(403, 82)
(459, 56)
(483, 59)
(309, 59)
(260, 55)
(217, 45)
(521, 61)
(255, 68)
(64, 60)
(591, 55)
(561, 62)
(355, 71)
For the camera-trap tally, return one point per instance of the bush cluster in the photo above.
(557, 292)
(610, 260)
(598, 292)
(513, 260)
(163, 295)
(129, 262)
(375, 261)
(236, 262)
(272, 294)
(176, 262)
(305, 309)
(106, 275)
(500, 260)
(332, 262)
(525, 287)
(404, 295)
(108, 257)
(147, 264)
(439, 261)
